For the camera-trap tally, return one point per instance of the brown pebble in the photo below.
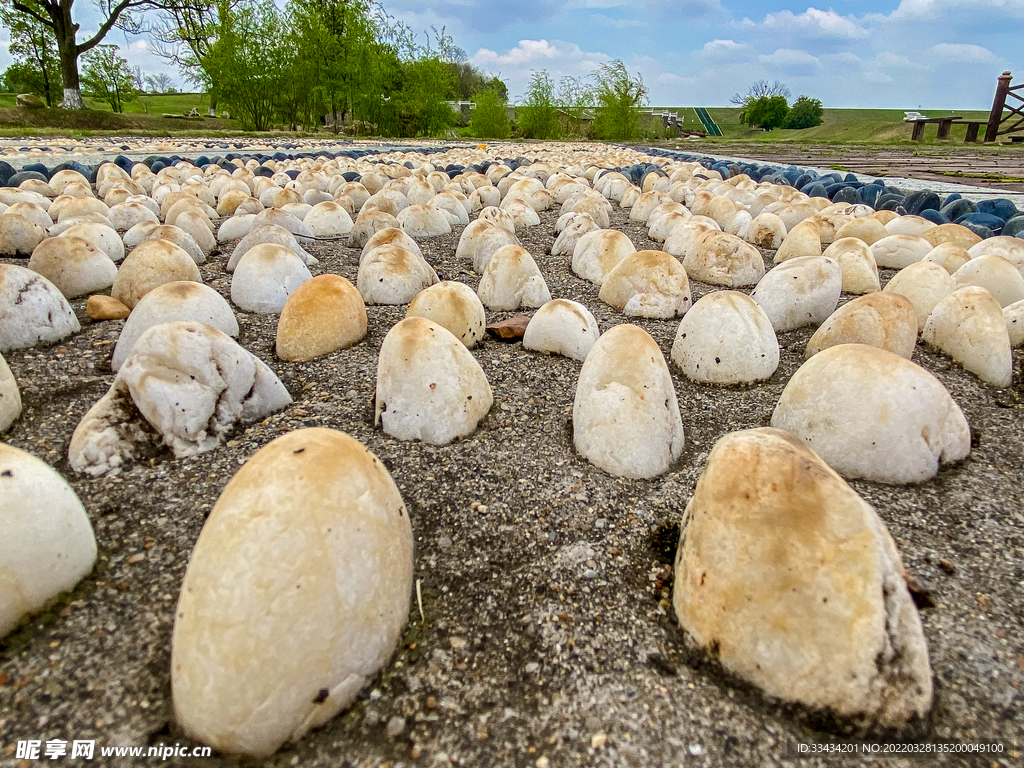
(105, 308)
(511, 329)
(947, 566)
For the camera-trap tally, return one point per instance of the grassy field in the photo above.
(841, 126)
(153, 104)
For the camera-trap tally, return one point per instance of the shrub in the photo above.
(805, 113)
(768, 112)
(538, 117)
(489, 119)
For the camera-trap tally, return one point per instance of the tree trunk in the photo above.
(65, 31)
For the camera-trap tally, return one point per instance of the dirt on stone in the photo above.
(547, 635)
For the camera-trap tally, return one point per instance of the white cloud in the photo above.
(811, 23)
(726, 50)
(931, 10)
(790, 61)
(527, 52)
(962, 53)
(557, 56)
(608, 21)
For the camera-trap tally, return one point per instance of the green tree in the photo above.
(249, 62)
(489, 119)
(767, 112)
(538, 116)
(36, 67)
(58, 17)
(575, 98)
(108, 77)
(805, 113)
(618, 96)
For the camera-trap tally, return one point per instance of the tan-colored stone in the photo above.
(648, 284)
(860, 273)
(968, 325)
(152, 263)
(105, 308)
(925, 284)
(322, 315)
(792, 581)
(952, 233)
(884, 320)
(295, 596)
(454, 306)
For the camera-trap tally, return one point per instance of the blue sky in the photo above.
(901, 54)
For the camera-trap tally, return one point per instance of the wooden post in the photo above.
(995, 117)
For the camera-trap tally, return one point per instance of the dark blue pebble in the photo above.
(1014, 227)
(22, 176)
(981, 231)
(935, 217)
(1000, 207)
(922, 201)
(958, 208)
(846, 194)
(986, 220)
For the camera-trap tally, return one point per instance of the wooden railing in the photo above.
(1005, 91)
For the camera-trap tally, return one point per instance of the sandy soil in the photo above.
(548, 638)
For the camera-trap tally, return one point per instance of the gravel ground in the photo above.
(548, 638)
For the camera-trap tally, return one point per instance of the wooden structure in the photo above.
(944, 123)
(998, 124)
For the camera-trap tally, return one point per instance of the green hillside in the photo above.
(841, 126)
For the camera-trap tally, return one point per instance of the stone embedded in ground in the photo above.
(718, 258)
(48, 544)
(884, 320)
(860, 273)
(829, 224)
(274, 235)
(328, 220)
(726, 338)
(512, 280)
(994, 273)
(969, 326)
(1014, 317)
(124, 216)
(909, 225)
(367, 223)
(767, 231)
(423, 221)
(874, 415)
(625, 415)
(645, 204)
(1010, 248)
(791, 580)
(429, 386)
(102, 236)
(598, 252)
(18, 235)
(32, 212)
(196, 224)
(804, 239)
(390, 274)
(867, 229)
(234, 228)
(101, 307)
(489, 242)
(951, 233)
(455, 307)
(265, 277)
(190, 383)
(282, 219)
(569, 237)
(498, 218)
(390, 236)
(32, 310)
(900, 251)
(925, 284)
(801, 291)
(10, 397)
(562, 327)
(324, 314)
(74, 265)
(648, 284)
(295, 596)
(172, 302)
(949, 256)
(152, 263)
(175, 234)
(469, 239)
(663, 225)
